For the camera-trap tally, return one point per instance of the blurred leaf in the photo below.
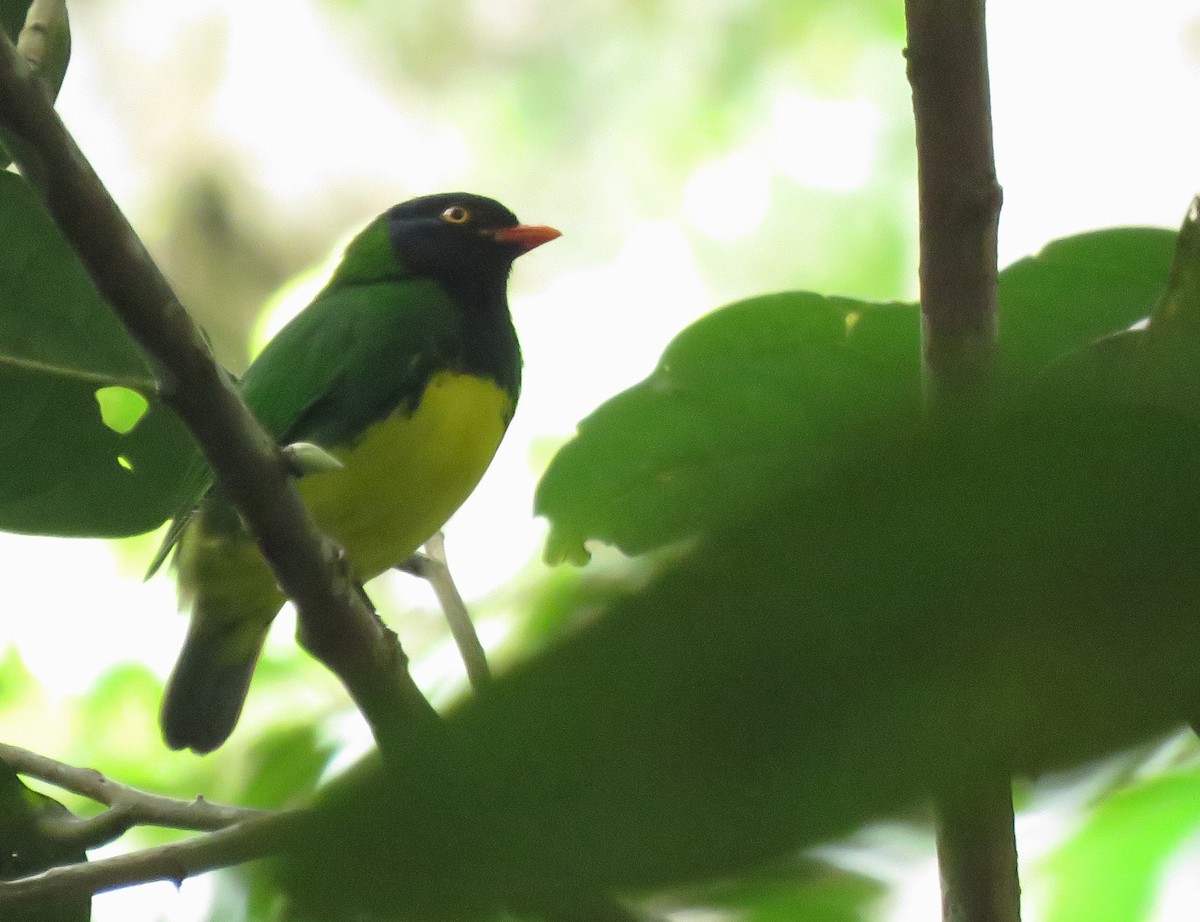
(1023, 588)
(284, 766)
(1155, 365)
(1110, 869)
(1018, 586)
(762, 390)
(116, 726)
(16, 681)
(1078, 289)
(25, 850)
(791, 892)
(62, 352)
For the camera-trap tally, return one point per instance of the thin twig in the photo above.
(245, 841)
(128, 807)
(334, 624)
(433, 567)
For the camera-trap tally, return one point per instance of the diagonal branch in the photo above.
(336, 626)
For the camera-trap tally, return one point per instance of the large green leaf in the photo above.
(758, 391)
(767, 389)
(1018, 588)
(78, 455)
(1022, 590)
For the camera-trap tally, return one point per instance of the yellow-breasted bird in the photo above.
(405, 368)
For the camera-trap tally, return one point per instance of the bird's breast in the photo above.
(408, 473)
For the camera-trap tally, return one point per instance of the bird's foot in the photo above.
(304, 458)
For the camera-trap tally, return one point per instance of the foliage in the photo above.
(87, 450)
(759, 393)
(833, 649)
(858, 609)
(658, 746)
(775, 389)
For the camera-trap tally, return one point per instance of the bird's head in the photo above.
(456, 236)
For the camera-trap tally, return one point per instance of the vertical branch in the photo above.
(977, 853)
(959, 197)
(959, 213)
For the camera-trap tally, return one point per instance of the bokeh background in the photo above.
(692, 154)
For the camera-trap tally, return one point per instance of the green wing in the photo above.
(359, 351)
(353, 356)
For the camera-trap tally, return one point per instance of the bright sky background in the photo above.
(1095, 119)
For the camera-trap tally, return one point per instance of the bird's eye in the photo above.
(456, 214)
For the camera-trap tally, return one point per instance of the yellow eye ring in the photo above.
(456, 214)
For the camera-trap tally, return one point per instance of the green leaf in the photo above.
(284, 766)
(1021, 587)
(756, 392)
(1078, 289)
(791, 892)
(25, 849)
(86, 448)
(1110, 869)
(765, 389)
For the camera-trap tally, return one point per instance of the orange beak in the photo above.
(526, 236)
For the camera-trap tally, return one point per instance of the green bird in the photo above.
(406, 369)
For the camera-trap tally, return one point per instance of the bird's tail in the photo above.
(208, 686)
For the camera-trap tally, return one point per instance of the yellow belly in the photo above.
(408, 473)
(401, 481)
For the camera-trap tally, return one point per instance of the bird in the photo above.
(404, 372)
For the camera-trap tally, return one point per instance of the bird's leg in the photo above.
(431, 566)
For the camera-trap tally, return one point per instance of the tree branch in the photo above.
(977, 853)
(336, 625)
(128, 807)
(432, 567)
(959, 215)
(959, 197)
(250, 839)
